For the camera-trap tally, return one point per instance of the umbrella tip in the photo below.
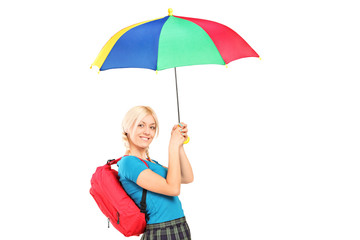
(170, 11)
(260, 58)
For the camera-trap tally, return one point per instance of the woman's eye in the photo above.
(153, 128)
(141, 125)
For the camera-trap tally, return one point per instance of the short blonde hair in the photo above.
(133, 117)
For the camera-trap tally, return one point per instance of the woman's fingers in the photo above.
(183, 129)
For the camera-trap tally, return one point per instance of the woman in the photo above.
(166, 216)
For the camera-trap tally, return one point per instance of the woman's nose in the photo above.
(147, 131)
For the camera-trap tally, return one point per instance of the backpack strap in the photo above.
(143, 198)
(112, 161)
(115, 161)
(143, 204)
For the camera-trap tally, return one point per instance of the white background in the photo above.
(274, 143)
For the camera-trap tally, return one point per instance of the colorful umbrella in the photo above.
(171, 42)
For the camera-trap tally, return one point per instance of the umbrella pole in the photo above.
(177, 98)
(177, 95)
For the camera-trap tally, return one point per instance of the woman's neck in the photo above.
(139, 153)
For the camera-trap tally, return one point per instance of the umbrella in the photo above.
(171, 42)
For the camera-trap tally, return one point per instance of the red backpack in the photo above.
(114, 202)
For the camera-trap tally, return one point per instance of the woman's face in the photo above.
(142, 135)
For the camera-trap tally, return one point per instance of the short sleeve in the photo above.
(130, 167)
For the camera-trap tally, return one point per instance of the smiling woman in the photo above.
(163, 207)
(140, 125)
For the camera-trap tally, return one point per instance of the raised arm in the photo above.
(187, 175)
(171, 185)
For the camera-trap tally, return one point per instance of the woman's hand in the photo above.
(178, 135)
(184, 130)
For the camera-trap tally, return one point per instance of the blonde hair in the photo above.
(132, 118)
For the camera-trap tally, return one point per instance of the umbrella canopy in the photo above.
(170, 42)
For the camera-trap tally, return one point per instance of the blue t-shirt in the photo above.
(160, 208)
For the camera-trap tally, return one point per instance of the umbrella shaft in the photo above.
(177, 96)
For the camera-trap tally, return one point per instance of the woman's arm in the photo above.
(171, 185)
(187, 175)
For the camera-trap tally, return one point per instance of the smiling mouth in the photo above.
(145, 138)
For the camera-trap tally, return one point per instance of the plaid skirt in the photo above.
(177, 229)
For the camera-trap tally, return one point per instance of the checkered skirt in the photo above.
(177, 229)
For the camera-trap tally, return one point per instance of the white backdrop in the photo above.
(274, 143)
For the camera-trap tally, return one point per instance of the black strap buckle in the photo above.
(109, 161)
